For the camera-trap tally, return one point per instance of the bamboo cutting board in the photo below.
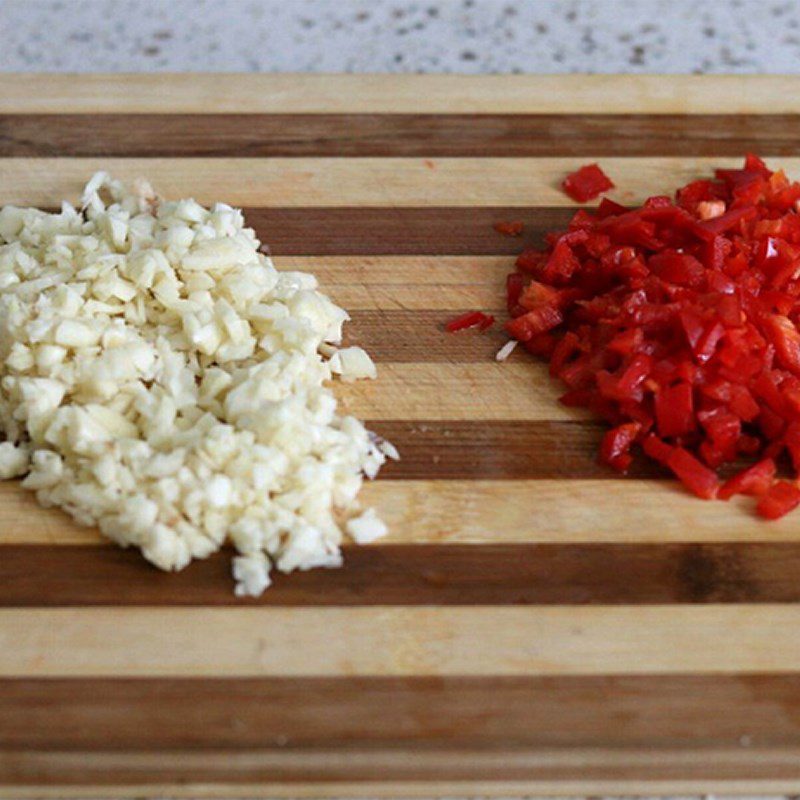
(534, 623)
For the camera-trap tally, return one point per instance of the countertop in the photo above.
(472, 36)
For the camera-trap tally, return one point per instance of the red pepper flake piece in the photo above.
(674, 407)
(616, 444)
(781, 498)
(586, 183)
(754, 480)
(608, 208)
(657, 448)
(472, 319)
(785, 338)
(693, 474)
(678, 322)
(532, 323)
(515, 283)
(509, 228)
(724, 222)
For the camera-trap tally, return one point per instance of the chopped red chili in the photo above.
(486, 322)
(472, 319)
(754, 480)
(509, 228)
(586, 183)
(695, 475)
(616, 444)
(781, 498)
(677, 322)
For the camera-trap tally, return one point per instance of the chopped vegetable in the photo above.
(697, 477)
(781, 498)
(509, 228)
(754, 480)
(677, 322)
(162, 380)
(586, 183)
(616, 444)
(472, 319)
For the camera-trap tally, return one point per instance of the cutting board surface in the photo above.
(534, 623)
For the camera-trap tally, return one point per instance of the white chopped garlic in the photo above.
(506, 350)
(14, 460)
(352, 364)
(160, 379)
(366, 528)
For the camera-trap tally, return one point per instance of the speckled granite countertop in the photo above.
(401, 35)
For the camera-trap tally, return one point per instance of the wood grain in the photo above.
(418, 336)
(451, 391)
(290, 714)
(394, 135)
(409, 94)
(338, 773)
(424, 283)
(333, 772)
(504, 450)
(500, 450)
(336, 182)
(418, 575)
(427, 231)
(403, 641)
(489, 512)
(533, 623)
(414, 272)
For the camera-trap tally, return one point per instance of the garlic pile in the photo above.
(161, 379)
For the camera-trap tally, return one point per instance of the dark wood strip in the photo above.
(413, 575)
(423, 135)
(487, 449)
(512, 450)
(361, 230)
(400, 230)
(290, 715)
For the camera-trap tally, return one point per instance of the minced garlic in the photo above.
(161, 379)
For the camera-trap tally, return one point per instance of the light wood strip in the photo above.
(335, 182)
(488, 391)
(414, 283)
(415, 272)
(445, 297)
(439, 94)
(399, 641)
(560, 511)
(334, 772)
(491, 512)
(418, 336)
(339, 772)
(569, 787)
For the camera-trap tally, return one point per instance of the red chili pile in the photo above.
(677, 323)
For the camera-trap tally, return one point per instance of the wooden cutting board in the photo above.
(534, 623)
